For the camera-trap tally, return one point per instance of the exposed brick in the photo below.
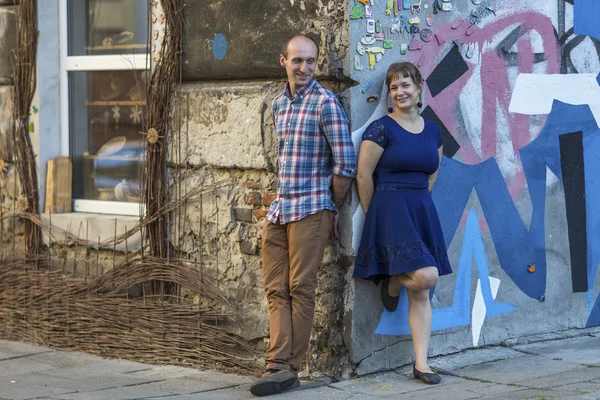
(249, 247)
(254, 199)
(268, 198)
(252, 184)
(243, 214)
(261, 213)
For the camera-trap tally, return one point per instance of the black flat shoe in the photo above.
(429, 378)
(389, 302)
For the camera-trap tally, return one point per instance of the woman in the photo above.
(402, 243)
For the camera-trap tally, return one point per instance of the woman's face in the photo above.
(404, 92)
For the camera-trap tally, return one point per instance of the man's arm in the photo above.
(339, 189)
(335, 128)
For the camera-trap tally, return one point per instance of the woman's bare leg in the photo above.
(419, 320)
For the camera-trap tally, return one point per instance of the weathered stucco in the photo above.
(8, 30)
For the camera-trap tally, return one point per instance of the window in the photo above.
(104, 71)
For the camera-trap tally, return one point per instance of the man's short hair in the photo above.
(287, 43)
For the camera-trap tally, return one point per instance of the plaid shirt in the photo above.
(314, 144)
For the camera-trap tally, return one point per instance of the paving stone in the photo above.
(325, 393)
(18, 366)
(562, 379)
(454, 362)
(581, 350)
(204, 380)
(81, 384)
(537, 394)
(65, 359)
(187, 385)
(583, 388)
(122, 393)
(387, 384)
(19, 391)
(17, 349)
(517, 369)
(104, 367)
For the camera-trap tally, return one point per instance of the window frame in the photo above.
(91, 63)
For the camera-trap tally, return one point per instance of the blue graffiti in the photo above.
(586, 14)
(459, 313)
(517, 247)
(591, 155)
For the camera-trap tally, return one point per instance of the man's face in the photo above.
(300, 62)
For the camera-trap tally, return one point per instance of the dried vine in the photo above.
(24, 81)
(160, 91)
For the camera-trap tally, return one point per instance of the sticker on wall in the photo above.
(375, 50)
(357, 65)
(370, 26)
(403, 48)
(366, 87)
(426, 34)
(368, 40)
(414, 21)
(446, 7)
(360, 49)
(470, 30)
(429, 19)
(357, 12)
(388, 44)
(389, 7)
(415, 44)
(371, 61)
(372, 99)
(416, 8)
(368, 11)
(405, 4)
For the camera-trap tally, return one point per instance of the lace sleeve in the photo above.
(376, 133)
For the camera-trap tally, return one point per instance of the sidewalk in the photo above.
(564, 365)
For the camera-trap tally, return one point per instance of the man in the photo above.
(316, 165)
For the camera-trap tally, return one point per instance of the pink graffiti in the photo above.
(495, 82)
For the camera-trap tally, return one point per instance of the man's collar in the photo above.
(300, 93)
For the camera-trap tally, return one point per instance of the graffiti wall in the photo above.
(515, 88)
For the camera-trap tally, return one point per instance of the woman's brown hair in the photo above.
(403, 69)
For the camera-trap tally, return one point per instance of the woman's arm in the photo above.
(433, 176)
(368, 157)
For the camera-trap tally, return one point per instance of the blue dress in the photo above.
(402, 230)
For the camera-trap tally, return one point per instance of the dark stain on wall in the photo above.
(234, 39)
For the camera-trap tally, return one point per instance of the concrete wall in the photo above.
(223, 131)
(518, 95)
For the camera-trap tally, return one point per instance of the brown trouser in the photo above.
(292, 254)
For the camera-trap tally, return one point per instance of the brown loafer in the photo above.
(430, 378)
(389, 302)
(273, 382)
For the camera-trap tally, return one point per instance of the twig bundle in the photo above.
(24, 81)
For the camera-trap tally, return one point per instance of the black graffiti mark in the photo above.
(511, 57)
(573, 172)
(452, 67)
(451, 146)
(568, 48)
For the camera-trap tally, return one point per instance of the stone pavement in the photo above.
(563, 365)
